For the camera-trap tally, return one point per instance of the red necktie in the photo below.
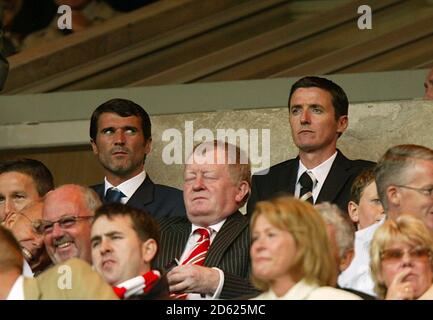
(197, 255)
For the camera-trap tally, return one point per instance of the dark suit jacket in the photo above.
(159, 200)
(281, 178)
(229, 251)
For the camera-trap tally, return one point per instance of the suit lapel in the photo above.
(144, 194)
(336, 179)
(292, 174)
(181, 232)
(99, 189)
(230, 230)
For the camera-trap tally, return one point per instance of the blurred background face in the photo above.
(117, 249)
(21, 225)
(73, 239)
(420, 275)
(272, 252)
(428, 86)
(17, 190)
(370, 208)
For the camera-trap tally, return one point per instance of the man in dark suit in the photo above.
(318, 116)
(213, 193)
(120, 132)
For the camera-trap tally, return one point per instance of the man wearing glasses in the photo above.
(67, 216)
(404, 177)
(25, 226)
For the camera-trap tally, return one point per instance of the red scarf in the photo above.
(138, 285)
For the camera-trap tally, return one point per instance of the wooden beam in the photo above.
(344, 57)
(260, 44)
(123, 39)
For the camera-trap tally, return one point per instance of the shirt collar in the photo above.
(320, 172)
(127, 187)
(215, 227)
(17, 290)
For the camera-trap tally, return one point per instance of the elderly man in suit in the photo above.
(318, 111)
(24, 225)
(73, 279)
(120, 132)
(210, 247)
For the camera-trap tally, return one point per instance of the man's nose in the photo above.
(305, 117)
(119, 137)
(198, 183)
(57, 231)
(105, 246)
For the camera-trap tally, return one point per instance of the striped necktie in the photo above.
(197, 255)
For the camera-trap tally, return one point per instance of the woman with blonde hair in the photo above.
(401, 259)
(290, 252)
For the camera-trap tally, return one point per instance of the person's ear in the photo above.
(352, 208)
(10, 220)
(94, 146)
(243, 190)
(346, 260)
(148, 250)
(148, 145)
(393, 196)
(342, 124)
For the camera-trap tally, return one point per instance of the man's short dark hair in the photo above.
(339, 97)
(35, 169)
(123, 108)
(143, 223)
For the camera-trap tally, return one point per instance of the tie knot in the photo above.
(113, 195)
(306, 181)
(203, 232)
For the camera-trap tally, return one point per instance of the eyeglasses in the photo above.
(36, 224)
(65, 222)
(395, 255)
(425, 191)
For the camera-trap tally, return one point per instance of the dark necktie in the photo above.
(113, 195)
(306, 187)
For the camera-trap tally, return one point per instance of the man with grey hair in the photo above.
(68, 211)
(404, 178)
(341, 233)
(210, 246)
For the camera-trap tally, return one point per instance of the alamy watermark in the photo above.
(255, 144)
(64, 282)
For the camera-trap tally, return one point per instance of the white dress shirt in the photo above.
(192, 240)
(303, 290)
(127, 187)
(17, 290)
(27, 270)
(358, 275)
(320, 173)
